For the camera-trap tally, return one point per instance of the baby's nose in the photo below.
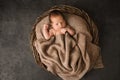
(60, 24)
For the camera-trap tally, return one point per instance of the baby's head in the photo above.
(57, 19)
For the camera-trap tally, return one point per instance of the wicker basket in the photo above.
(66, 9)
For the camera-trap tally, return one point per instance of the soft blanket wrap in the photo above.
(69, 57)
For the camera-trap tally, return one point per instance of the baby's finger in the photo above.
(63, 30)
(45, 26)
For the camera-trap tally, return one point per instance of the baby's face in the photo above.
(57, 22)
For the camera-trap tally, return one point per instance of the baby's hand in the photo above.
(45, 26)
(63, 30)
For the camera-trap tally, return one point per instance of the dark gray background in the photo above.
(17, 18)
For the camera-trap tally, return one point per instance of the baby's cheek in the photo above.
(64, 25)
(54, 26)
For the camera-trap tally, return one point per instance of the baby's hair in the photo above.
(56, 13)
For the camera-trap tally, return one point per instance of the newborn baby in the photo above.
(57, 25)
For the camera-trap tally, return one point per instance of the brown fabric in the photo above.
(69, 57)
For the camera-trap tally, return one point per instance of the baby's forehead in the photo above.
(56, 16)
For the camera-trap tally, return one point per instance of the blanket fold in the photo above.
(69, 57)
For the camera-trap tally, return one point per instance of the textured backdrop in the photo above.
(17, 18)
